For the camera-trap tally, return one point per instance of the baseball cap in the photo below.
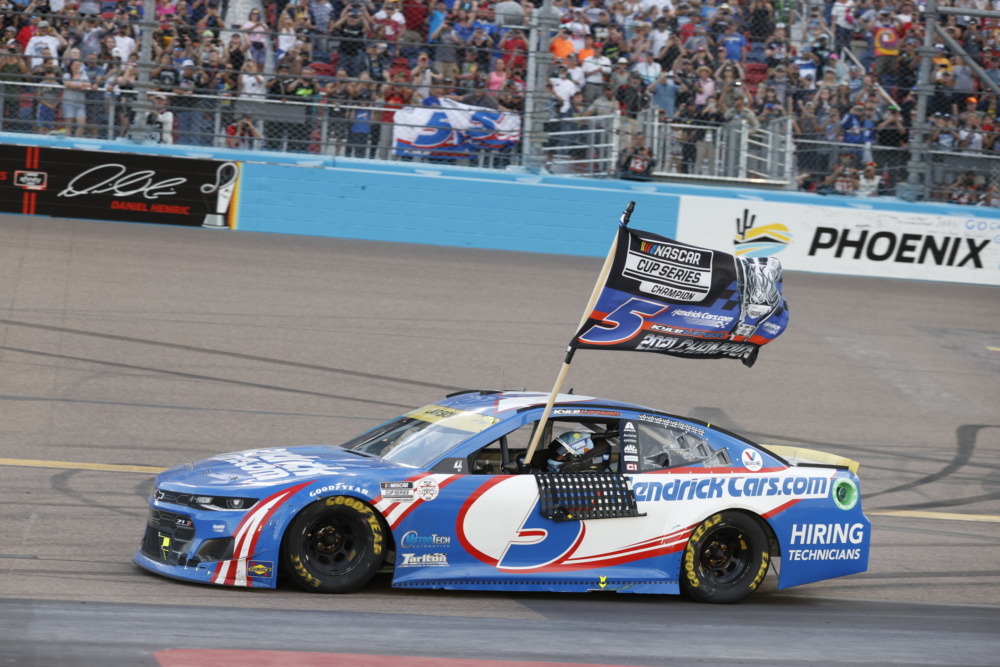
(971, 99)
(622, 61)
(187, 63)
(43, 24)
(779, 25)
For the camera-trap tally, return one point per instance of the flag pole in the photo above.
(601, 280)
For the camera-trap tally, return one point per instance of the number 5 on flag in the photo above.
(625, 322)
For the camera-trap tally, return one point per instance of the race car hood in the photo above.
(270, 467)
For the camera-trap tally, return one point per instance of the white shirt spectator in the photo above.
(839, 14)
(579, 30)
(648, 69)
(596, 68)
(659, 38)
(251, 87)
(564, 90)
(126, 44)
(38, 44)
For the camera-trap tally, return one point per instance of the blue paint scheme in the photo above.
(436, 540)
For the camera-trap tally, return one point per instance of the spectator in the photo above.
(633, 97)
(777, 49)
(708, 118)
(868, 181)
(964, 190)
(886, 33)
(243, 134)
(739, 112)
(563, 88)
(597, 72)
(842, 16)
(735, 44)
(45, 38)
(575, 71)
(663, 93)
(636, 162)
(359, 97)
(255, 31)
(648, 68)
(286, 39)
(605, 105)
(251, 82)
(13, 69)
(844, 178)
(160, 121)
(446, 53)
(76, 83)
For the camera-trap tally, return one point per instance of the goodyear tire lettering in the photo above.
(334, 545)
(725, 559)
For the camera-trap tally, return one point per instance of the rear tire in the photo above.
(334, 545)
(725, 559)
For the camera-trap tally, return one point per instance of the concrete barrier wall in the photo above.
(501, 210)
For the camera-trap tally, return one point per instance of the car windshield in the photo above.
(422, 436)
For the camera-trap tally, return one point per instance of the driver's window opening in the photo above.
(567, 445)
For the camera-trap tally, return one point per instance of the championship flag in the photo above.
(659, 295)
(678, 299)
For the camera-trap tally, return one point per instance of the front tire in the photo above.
(335, 545)
(725, 559)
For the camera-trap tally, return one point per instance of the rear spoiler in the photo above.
(803, 456)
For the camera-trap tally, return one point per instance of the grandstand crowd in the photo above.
(842, 72)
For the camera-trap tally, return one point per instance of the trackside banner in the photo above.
(677, 299)
(925, 243)
(122, 187)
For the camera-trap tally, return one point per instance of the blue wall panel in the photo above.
(453, 207)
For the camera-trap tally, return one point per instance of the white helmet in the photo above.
(569, 446)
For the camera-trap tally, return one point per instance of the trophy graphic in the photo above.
(759, 298)
(225, 184)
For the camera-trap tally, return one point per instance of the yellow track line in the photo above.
(68, 465)
(993, 349)
(947, 516)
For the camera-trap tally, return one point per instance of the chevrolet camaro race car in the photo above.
(624, 499)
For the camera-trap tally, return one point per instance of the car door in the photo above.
(493, 523)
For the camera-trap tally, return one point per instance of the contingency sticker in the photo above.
(397, 492)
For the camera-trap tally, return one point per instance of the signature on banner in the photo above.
(115, 179)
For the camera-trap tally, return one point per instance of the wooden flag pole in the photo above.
(601, 280)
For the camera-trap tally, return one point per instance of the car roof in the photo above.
(504, 404)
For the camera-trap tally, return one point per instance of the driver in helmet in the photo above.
(568, 447)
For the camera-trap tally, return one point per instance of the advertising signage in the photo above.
(121, 187)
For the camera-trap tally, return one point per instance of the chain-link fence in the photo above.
(321, 87)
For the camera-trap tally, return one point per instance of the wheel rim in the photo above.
(724, 557)
(333, 546)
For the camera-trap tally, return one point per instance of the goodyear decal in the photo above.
(731, 487)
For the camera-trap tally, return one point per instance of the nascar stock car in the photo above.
(619, 498)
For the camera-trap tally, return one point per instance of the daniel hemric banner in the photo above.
(453, 129)
(677, 299)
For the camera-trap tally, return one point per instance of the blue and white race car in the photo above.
(617, 498)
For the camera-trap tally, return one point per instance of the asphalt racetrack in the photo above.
(129, 347)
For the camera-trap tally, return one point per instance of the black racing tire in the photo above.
(725, 559)
(335, 545)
